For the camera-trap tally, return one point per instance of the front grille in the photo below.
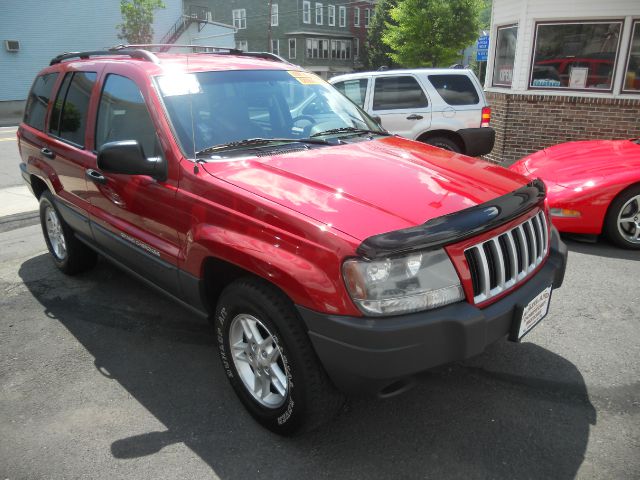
(507, 259)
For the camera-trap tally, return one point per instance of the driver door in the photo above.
(133, 217)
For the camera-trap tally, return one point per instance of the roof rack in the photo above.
(136, 53)
(216, 50)
(140, 51)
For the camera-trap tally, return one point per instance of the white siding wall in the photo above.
(526, 13)
(47, 28)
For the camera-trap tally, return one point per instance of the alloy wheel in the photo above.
(55, 234)
(629, 220)
(258, 360)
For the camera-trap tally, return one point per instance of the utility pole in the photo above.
(269, 26)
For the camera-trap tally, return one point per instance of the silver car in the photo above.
(442, 107)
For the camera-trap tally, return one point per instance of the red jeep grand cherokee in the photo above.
(331, 256)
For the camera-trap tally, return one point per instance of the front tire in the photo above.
(269, 360)
(622, 223)
(69, 254)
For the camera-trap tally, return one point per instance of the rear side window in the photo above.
(455, 89)
(69, 116)
(123, 115)
(38, 101)
(398, 93)
(354, 90)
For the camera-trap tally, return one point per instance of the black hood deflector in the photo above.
(457, 226)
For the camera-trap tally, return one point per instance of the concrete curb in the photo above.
(19, 220)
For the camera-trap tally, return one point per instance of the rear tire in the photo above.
(69, 254)
(622, 223)
(444, 143)
(263, 345)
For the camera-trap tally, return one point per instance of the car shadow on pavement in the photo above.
(601, 248)
(517, 411)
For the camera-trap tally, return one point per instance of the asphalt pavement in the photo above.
(101, 377)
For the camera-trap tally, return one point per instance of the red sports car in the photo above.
(593, 187)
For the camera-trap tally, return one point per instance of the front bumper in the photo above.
(365, 355)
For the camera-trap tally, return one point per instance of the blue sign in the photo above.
(482, 48)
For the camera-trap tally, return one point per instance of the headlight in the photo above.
(412, 282)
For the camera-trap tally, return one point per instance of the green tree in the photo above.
(377, 51)
(137, 16)
(431, 33)
(485, 14)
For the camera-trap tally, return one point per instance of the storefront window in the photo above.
(632, 72)
(576, 56)
(505, 55)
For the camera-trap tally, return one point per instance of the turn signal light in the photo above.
(564, 212)
(486, 117)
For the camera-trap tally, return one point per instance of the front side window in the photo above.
(577, 56)
(274, 15)
(354, 90)
(342, 14)
(398, 93)
(69, 114)
(220, 107)
(319, 14)
(292, 48)
(240, 18)
(632, 72)
(38, 101)
(331, 13)
(505, 56)
(123, 115)
(356, 17)
(306, 12)
(455, 89)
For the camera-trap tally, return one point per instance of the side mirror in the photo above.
(127, 157)
(377, 119)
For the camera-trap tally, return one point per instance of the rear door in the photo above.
(461, 104)
(402, 105)
(65, 148)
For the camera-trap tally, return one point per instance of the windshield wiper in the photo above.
(258, 142)
(355, 130)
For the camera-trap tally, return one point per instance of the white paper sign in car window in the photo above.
(176, 84)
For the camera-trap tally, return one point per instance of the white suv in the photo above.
(442, 107)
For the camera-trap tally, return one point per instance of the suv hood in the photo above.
(372, 186)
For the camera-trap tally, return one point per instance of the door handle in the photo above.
(95, 176)
(47, 153)
(415, 117)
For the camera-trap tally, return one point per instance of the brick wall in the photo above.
(526, 123)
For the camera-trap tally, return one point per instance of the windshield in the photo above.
(218, 108)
